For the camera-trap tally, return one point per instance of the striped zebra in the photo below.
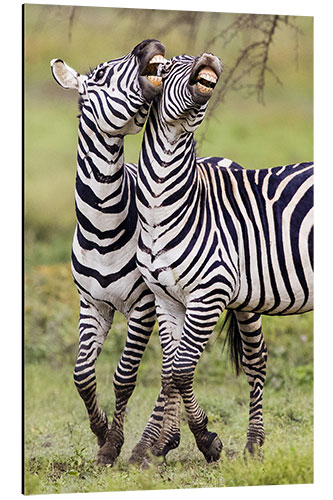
(214, 237)
(114, 100)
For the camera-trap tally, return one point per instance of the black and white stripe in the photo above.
(215, 237)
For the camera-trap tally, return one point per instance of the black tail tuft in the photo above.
(234, 341)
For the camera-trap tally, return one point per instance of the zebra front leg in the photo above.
(151, 433)
(195, 336)
(162, 432)
(169, 437)
(93, 330)
(140, 326)
(170, 328)
(254, 357)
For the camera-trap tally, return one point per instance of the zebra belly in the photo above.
(276, 267)
(274, 300)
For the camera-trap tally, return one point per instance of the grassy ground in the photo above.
(60, 450)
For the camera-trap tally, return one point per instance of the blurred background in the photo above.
(261, 115)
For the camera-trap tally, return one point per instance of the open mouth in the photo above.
(205, 80)
(152, 70)
(205, 74)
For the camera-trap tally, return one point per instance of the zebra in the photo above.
(114, 100)
(215, 237)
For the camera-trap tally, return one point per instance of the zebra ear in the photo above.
(66, 76)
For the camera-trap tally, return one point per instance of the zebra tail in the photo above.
(233, 340)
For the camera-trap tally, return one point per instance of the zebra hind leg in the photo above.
(140, 326)
(93, 330)
(254, 357)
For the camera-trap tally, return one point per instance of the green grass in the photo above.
(60, 450)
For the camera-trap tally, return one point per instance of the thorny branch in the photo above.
(248, 72)
(263, 68)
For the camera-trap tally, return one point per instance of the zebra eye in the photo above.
(100, 73)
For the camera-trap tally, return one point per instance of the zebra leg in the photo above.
(93, 330)
(169, 437)
(150, 434)
(194, 338)
(162, 432)
(254, 357)
(170, 328)
(208, 442)
(140, 326)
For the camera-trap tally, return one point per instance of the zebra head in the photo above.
(188, 84)
(117, 93)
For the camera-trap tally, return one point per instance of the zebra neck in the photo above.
(167, 167)
(104, 190)
(100, 158)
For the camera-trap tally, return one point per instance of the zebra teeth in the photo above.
(206, 76)
(155, 80)
(203, 88)
(206, 80)
(158, 59)
(152, 69)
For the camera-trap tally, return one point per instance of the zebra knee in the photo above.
(123, 386)
(167, 384)
(261, 358)
(86, 388)
(255, 358)
(77, 377)
(84, 371)
(182, 375)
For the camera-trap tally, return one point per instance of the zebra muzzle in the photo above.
(152, 69)
(206, 79)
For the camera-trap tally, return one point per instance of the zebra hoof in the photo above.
(108, 454)
(140, 456)
(254, 450)
(100, 433)
(172, 444)
(212, 448)
(255, 440)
